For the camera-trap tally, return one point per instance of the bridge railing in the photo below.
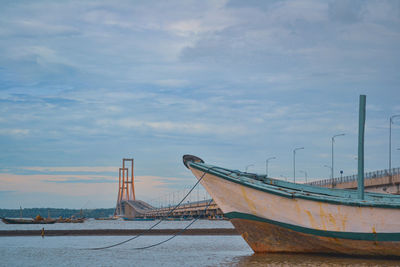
(171, 199)
(351, 178)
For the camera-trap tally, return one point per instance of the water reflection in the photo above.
(308, 260)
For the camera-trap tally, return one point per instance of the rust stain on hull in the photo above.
(268, 238)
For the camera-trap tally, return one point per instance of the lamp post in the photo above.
(390, 140)
(333, 141)
(266, 164)
(328, 167)
(294, 163)
(305, 173)
(247, 167)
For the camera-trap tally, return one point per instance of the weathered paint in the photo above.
(291, 190)
(325, 227)
(233, 197)
(269, 238)
(370, 236)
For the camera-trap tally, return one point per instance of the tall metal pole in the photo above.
(333, 141)
(133, 183)
(305, 174)
(390, 144)
(294, 166)
(266, 164)
(247, 167)
(390, 141)
(294, 163)
(361, 130)
(328, 167)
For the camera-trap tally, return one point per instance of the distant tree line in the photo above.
(55, 213)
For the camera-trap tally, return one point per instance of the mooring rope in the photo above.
(176, 234)
(162, 219)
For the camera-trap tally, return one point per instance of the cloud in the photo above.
(87, 83)
(29, 27)
(5, 192)
(172, 83)
(346, 11)
(14, 132)
(84, 187)
(80, 181)
(178, 127)
(85, 169)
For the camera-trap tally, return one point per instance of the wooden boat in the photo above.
(71, 220)
(138, 219)
(278, 216)
(27, 221)
(106, 219)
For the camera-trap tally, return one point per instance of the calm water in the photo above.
(118, 224)
(181, 251)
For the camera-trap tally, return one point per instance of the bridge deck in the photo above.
(383, 181)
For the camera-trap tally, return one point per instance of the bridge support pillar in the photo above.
(126, 190)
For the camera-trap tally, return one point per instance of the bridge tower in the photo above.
(126, 187)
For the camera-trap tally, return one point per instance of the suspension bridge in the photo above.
(129, 207)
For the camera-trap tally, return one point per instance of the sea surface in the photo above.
(180, 251)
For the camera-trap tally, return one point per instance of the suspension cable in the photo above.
(162, 219)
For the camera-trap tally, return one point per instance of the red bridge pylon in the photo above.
(126, 187)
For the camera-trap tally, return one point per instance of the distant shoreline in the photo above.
(119, 232)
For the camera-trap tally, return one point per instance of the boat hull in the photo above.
(272, 223)
(265, 237)
(25, 221)
(138, 219)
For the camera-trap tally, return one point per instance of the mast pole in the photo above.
(361, 130)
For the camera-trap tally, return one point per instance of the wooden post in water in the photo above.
(361, 129)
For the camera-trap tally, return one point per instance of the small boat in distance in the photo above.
(106, 218)
(27, 221)
(70, 220)
(138, 219)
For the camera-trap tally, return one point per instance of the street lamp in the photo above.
(294, 163)
(328, 167)
(390, 140)
(333, 141)
(305, 173)
(266, 164)
(248, 166)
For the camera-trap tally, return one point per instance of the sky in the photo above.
(84, 84)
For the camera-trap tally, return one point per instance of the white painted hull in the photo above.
(272, 223)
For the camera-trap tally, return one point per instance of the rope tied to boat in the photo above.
(162, 219)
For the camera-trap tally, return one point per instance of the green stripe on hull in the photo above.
(334, 234)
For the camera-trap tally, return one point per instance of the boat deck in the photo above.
(292, 190)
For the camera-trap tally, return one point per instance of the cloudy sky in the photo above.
(85, 83)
